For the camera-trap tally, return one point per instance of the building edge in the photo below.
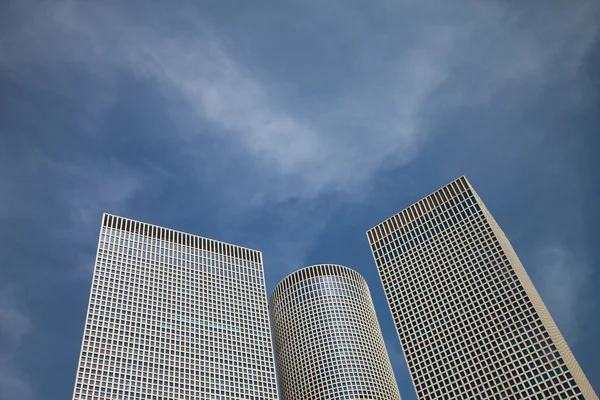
(447, 192)
(539, 305)
(412, 378)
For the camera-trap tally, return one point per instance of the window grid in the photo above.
(169, 319)
(327, 338)
(467, 324)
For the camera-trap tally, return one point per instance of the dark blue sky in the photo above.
(292, 128)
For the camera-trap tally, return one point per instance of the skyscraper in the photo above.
(327, 339)
(469, 319)
(173, 316)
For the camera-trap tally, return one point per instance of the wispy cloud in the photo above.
(561, 276)
(12, 386)
(66, 208)
(279, 155)
(375, 124)
(299, 157)
(47, 205)
(99, 188)
(290, 140)
(15, 324)
(272, 150)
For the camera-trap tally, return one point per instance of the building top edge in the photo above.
(313, 271)
(219, 247)
(415, 210)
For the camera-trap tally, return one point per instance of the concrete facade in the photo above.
(174, 316)
(327, 338)
(469, 319)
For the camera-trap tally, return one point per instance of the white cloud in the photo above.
(302, 157)
(375, 124)
(83, 188)
(95, 189)
(299, 157)
(280, 155)
(560, 277)
(434, 58)
(78, 193)
(15, 324)
(430, 55)
(11, 386)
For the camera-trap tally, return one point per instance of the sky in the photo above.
(290, 127)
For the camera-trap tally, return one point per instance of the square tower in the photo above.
(469, 319)
(174, 316)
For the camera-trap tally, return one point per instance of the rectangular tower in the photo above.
(174, 316)
(469, 319)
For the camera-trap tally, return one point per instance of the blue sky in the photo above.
(290, 127)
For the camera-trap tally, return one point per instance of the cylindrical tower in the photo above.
(328, 342)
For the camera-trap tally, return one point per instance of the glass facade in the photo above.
(327, 339)
(469, 319)
(174, 316)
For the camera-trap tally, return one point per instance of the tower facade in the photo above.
(174, 316)
(327, 338)
(469, 319)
